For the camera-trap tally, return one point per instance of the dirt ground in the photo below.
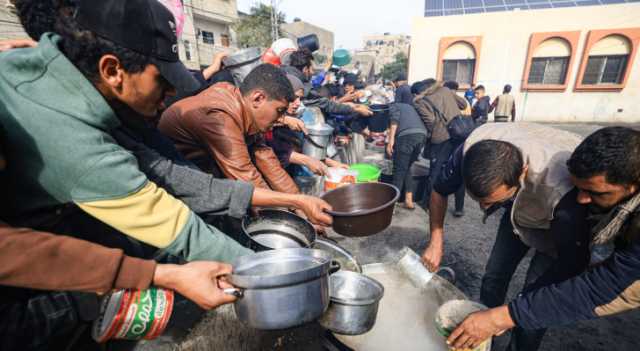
(468, 243)
(467, 246)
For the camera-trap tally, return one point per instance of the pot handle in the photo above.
(449, 271)
(234, 291)
(334, 267)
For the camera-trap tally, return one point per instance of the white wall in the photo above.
(505, 41)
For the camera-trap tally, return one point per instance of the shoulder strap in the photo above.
(436, 110)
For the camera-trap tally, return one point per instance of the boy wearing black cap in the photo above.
(58, 106)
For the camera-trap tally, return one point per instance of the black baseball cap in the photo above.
(144, 26)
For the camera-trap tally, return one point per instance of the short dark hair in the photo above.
(452, 85)
(85, 49)
(36, 16)
(272, 80)
(301, 59)
(613, 152)
(418, 88)
(479, 87)
(507, 89)
(489, 164)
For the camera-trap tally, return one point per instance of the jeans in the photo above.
(405, 152)
(440, 154)
(507, 253)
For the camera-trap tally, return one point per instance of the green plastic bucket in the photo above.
(366, 173)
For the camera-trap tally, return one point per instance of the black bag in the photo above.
(459, 127)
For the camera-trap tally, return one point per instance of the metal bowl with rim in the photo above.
(354, 303)
(278, 229)
(362, 209)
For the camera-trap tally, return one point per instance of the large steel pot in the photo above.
(280, 289)
(354, 303)
(242, 63)
(317, 141)
(362, 209)
(277, 229)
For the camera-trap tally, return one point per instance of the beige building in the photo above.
(365, 64)
(385, 48)
(299, 28)
(570, 64)
(207, 30)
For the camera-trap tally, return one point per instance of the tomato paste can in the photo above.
(133, 314)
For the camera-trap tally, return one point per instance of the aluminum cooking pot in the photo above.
(278, 229)
(317, 141)
(280, 289)
(354, 303)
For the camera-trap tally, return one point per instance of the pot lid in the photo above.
(347, 261)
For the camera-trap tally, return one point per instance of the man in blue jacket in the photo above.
(606, 170)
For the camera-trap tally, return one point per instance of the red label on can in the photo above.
(141, 314)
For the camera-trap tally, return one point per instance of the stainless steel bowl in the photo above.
(354, 303)
(278, 229)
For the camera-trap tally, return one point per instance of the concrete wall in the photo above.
(503, 55)
(214, 16)
(299, 29)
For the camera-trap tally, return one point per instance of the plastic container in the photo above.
(341, 57)
(366, 173)
(452, 314)
(337, 177)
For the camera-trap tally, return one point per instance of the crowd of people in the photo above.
(132, 171)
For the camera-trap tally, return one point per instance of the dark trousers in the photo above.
(507, 253)
(440, 154)
(405, 152)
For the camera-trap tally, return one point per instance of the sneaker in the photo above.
(458, 214)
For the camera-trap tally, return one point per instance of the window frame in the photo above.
(603, 67)
(446, 42)
(571, 38)
(458, 63)
(206, 41)
(593, 37)
(548, 60)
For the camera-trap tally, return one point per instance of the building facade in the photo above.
(208, 31)
(385, 48)
(569, 64)
(299, 28)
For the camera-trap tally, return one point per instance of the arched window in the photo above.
(458, 63)
(550, 62)
(608, 60)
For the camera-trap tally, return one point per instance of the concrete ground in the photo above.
(467, 246)
(468, 243)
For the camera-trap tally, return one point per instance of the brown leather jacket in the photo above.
(215, 131)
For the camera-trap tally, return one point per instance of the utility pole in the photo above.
(274, 21)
